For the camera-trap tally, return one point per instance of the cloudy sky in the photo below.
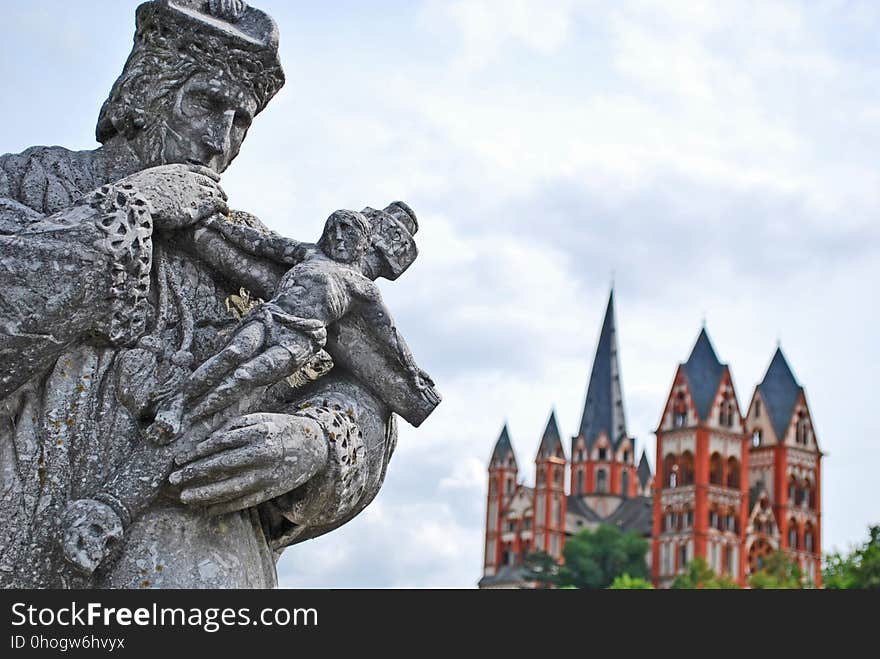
(720, 159)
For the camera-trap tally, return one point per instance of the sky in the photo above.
(716, 160)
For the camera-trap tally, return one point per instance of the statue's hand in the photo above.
(90, 527)
(256, 458)
(179, 195)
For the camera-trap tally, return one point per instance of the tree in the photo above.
(858, 569)
(593, 559)
(780, 571)
(541, 568)
(626, 582)
(699, 576)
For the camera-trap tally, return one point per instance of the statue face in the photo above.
(343, 241)
(208, 121)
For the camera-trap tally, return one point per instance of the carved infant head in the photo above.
(346, 236)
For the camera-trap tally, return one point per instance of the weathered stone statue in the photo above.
(134, 343)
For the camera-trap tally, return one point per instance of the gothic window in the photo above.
(792, 489)
(759, 528)
(626, 457)
(756, 438)
(602, 481)
(793, 535)
(688, 519)
(580, 481)
(686, 469)
(682, 556)
(557, 475)
(713, 519)
(808, 538)
(757, 409)
(527, 523)
(716, 470)
(624, 484)
(510, 486)
(603, 454)
(733, 473)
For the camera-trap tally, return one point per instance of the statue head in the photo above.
(199, 72)
(346, 236)
(393, 247)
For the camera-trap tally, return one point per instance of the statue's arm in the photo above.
(361, 434)
(81, 272)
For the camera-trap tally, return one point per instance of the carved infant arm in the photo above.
(82, 271)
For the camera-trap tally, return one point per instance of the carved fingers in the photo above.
(244, 345)
(180, 195)
(258, 457)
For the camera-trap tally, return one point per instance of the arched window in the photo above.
(792, 535)
(603, 453)
(756, 438)
(725, 412)
(808, 538)
(557, 475)
(686, 469)
(733, 475)
(688, 518)
(580, 481)
(670, 471)
(716, 470)
(713, 518)
(792, 490)
(757, 409)
(601, 481)
(624, 483)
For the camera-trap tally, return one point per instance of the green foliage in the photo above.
(541, 568)
(858, 569)
(626, 582)
(699, 576)
(779, 571)
(593, 559)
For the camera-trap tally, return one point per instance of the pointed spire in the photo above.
(644, 470)
(779, 390)
(603, 408)
(703, 371)
(503, 447)
(551, 440)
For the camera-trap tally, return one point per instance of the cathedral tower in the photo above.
(784, 472)
(603, 453)
(549, 503)
(701, 491)
(502, 484)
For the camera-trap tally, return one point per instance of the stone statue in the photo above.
(135, 341)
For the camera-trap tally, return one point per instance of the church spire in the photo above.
(603, 408)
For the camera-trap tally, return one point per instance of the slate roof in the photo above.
(603, 407)
(644, 470)
(576, 505)
(635, 514)
(551, 440)
(780, 391)
(703, 371)
(503, 446)
(507, 574)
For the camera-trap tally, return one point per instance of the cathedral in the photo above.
(732, 485)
